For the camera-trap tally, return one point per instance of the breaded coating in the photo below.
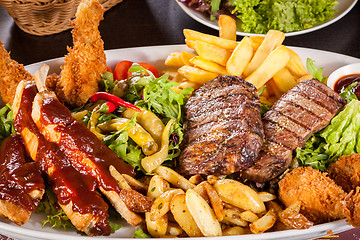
(351, 206)
(86, 61)
(346, 171)
(11, 73)
(320, 197)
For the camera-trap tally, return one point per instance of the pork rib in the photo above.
(303, 110)
(76, 192)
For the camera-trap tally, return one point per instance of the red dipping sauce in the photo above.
(345, 81)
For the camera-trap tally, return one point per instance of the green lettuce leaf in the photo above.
(316, 72)
(348, 92)
(6, 122)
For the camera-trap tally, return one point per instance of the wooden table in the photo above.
(135, 23)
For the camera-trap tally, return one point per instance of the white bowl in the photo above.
(341, 72)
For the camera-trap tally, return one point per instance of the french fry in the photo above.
(215, 201)
(190, 43)
(174, 178)
(156, 228)
(304, 78)
(185, 56)
(272, 40)
(249, 216)
(203, 215)
(274, 88)
(174, 59)
(227, 27)
(264, 223)
(161, 204)
(196, 75)
(266, 196)
(257, 40)
(276, 60)
(234, 231)
(123, 184)
(295, 65)
(183, 217)
(188, 84)
(157, 186)
(284, 80)
(208, 65)
(239, 195)
(212, 52)
(232, 217)
(134, 182)
(240, 57)
(220, 42)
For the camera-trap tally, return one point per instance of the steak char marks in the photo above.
(305, 109)
(223, 132)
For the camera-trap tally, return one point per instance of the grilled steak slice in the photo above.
(302, 111)
(223, 131)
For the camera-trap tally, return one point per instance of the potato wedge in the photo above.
(234, 231)
(272, 40)
(174, 229)
(220, 42)
(249, 216)
(232, 217)
(183, 217)
(239, 195)
(215, 201)
(240, 57)
(203, 215)
(156, 228)
(157, 186)
(212, 52)
(264, 223)
(208, 65)
(276, 60)
(196, 75)
(227, 27)
(174, 178)
(161, 204)
(123, 184)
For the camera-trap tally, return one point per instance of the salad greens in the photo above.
(348, 92)
(340, 137)
(259, 16)
(6, 122)
(316, 72)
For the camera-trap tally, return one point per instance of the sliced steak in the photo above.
(223, 131)
(305, 109)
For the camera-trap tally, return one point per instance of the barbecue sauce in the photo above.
(18, 176)
(345, 81)
(80, 144)
(68, 184)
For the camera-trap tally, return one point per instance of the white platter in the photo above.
(32, 230)
(343, 7)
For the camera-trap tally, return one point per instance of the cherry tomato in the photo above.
(149, 67)
(121, 70)
(108, 69)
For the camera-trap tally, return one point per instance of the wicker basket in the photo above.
(45, 17)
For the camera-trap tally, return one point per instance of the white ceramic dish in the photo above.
(342, 8)
(341, 72)
(32, 230)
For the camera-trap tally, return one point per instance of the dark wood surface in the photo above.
(135, 23)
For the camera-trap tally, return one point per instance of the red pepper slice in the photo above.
(111, 107)
(114, 99)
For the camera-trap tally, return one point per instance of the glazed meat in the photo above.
(302, 111)
(223, 132)
(21, 183)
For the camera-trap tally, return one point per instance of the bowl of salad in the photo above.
(293, 17)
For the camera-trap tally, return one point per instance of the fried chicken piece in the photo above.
(11, 73)
(320, 197)
(86, 61)
(351, 206)
(346, 171)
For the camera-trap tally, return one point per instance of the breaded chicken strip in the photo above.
(320, 197)
(86, 61)
(11, 73)
(352, 207)
(346, 171)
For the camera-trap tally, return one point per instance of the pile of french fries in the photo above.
(213, 207)
(262, 61)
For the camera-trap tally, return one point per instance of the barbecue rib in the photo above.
(303, 110)
(223, 131)
(21, 183)
(75, 191)
(85, 151)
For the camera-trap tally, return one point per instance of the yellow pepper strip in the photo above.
(152, 162)
(93, 121)
(140, 136)
(147, 120)
(80, 115)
